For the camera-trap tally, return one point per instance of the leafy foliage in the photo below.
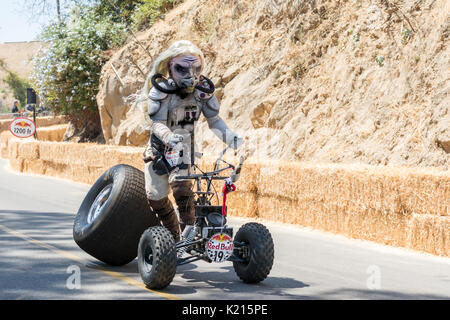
(120, 11)
(66, 73)
(17, 84)
(67, 70)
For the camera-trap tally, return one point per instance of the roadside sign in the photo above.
(22, 127)
(31, 96)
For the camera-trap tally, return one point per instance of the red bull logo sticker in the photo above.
(220, 247)
(173, 158)
(22, 127)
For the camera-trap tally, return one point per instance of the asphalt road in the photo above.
(40, 260)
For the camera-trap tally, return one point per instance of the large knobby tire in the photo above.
(259, 260)
(157, 258)
(113, 216)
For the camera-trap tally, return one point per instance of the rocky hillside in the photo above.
(329, 81)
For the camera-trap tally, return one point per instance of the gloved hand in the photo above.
(175, 139)
(148, 154)
(236, 173)
(237, 142)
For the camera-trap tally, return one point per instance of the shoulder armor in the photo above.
(157, 95)
(211, 107)
(153, 107)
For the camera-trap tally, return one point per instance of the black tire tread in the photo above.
(164, 258)
(115, 241)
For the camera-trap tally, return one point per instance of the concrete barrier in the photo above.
(398, 206)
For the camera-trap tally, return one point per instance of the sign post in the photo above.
(32, 100)
(24, 127)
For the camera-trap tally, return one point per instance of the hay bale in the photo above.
(52, 133)
(429, 233)
(40, 122)
(29, 150)
(242, 204)
(4, 125)
(50, 121)
(35, 166)
(399, 206)
(4, 139)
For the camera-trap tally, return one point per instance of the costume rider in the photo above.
(178, 97)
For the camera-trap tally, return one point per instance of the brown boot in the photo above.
(166, 214)
(184, 197)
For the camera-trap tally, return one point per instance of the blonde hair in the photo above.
(161, 65)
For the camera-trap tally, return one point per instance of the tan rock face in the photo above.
(348, 81)
(121, 124)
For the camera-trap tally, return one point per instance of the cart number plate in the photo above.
(173, 157)
(220, 247)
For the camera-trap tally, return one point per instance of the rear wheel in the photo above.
(157, 258)
(257, 253)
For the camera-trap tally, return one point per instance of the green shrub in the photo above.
(146, 14)
(18, 85)
(66, 73)
(120, 11)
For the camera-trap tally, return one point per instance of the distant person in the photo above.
(15, 108)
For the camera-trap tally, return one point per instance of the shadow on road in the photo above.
(361, 294)
(25, 268)
(53, 225)
(227, 281)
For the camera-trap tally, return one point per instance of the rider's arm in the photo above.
(211, 111)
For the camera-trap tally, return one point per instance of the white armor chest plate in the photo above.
(183, 113)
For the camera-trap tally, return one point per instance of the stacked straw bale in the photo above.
(398, 206)
(40, 122)
(52, 133)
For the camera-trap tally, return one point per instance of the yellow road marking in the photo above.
(73, 257)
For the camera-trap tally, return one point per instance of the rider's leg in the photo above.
(166, 213)
(157, 190)
(184, 197)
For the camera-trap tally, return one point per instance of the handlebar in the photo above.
(234, 176)
(200, 176)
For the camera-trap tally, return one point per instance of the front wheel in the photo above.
(256, 253)
(157, 258)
